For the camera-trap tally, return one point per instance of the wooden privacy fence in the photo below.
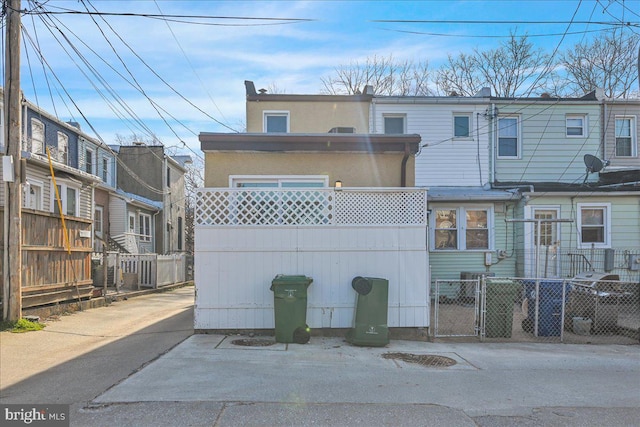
(49, 273)
(144, 270)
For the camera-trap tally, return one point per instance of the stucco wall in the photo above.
(311, 116)
(354, 170)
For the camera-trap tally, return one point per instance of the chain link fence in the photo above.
(585, 309)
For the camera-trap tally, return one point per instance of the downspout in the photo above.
(492, 163)
(403, 167)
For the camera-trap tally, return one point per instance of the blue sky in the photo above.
(146, 68)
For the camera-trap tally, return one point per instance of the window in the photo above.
(276, 121)
(97, 221)
(168, 177)
(461, 125)
(294, 181)
(63, 148)
(69, 198)
(37, 136)
(508, 137)
(89, 163)
(132, 223)
(394, 124)
(626, 145)
(145, 227)
(180, 233)
(462, 228)
(105, 169)
(576, 126)
(594, 225)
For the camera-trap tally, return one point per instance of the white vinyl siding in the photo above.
(546, 154)
(443, 161)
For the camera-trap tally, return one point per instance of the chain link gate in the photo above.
(577, 310)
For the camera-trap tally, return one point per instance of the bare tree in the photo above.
(193, 179)
(514, 68)
(387, 76)
(608, 62)
(134, 137)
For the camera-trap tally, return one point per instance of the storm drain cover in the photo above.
(253, 342)
(422, 359)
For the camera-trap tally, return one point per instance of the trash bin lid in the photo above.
(283, 279)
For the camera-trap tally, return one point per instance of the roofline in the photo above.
(310, 98)
(324, 142)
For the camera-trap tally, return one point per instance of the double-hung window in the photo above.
(462, 228)
(63, 148)
(37, 136)
(394, 123)
(461, 125)
(69, 199)
(89, 161)
(576, 125)
(594, 225)
(508, 137)
(276, 121)
(626, 144)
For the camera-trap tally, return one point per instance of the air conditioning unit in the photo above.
(342, 130)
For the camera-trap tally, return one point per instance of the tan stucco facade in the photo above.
(353, 169)
(314, 116)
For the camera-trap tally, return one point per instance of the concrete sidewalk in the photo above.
(209, 380)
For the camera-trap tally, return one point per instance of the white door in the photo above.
(542, 260)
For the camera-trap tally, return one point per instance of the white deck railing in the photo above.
(312, 207)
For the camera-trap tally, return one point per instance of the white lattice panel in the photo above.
(286, 207)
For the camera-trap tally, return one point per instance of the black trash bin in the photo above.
(290, 308)
(370, 320)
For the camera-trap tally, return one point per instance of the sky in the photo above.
(126, 71)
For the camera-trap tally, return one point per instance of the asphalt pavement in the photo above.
(212, 380)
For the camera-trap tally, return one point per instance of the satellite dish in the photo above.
(593, 163)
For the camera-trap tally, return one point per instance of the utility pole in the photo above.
(12, 265)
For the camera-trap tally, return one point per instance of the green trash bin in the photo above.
(290, 308)
(370, 320)
(500, 301)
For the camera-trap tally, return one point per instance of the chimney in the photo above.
(485, 92)
(250, 88)
(368, 90)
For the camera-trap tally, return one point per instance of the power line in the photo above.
(509, 22)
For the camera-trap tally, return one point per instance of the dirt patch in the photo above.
(253, 342)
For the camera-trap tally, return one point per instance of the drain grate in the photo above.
(422, 359)
(252, 342)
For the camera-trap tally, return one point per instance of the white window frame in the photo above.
(275, 113)
(131, 223)
(64, 186)
(41, 142)
(461, 227)
(606, 208)
(235, 180)
(105, 170)
(63, 148)
(93, 160)
(394, 116)
(584, 128)
(469, 117)
(145, 227)
(518, 137)
(633, 134)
